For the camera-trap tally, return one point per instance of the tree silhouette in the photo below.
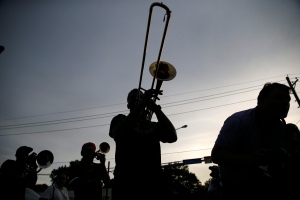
(183, 183)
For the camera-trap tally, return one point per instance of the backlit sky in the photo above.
(68, 65)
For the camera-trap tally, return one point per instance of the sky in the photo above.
(68, 66)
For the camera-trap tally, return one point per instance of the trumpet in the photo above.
(103, 149)
(42, 160)
(160, 70)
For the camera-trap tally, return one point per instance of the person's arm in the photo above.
(232, 135)
(166, 130)
(258, 157)
(104, 173)
(223, 156)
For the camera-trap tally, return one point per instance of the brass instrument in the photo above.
(103, 149)
(160, 70)
(42, 160)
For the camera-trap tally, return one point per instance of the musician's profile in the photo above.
(254, 150)
(88, 177)
(137, 137)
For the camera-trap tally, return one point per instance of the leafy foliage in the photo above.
(55, 172)
(183, 183)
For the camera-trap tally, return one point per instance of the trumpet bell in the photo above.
(104, 147)
(44, 159)
(166, 71)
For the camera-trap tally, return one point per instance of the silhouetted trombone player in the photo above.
(138, 173)
(138, 169)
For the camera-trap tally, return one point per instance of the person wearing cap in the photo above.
(15, 176)
(87, 178)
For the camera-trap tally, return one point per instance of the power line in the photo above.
(75, 119)
(123, 103)
(68, 129)
(80, 118)
(109, 124)
(161, 154)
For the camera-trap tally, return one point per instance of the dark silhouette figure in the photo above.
(88, 177)
(138, 173)
(57, 191)
(252, 149)
(17, 175)
(214, 191)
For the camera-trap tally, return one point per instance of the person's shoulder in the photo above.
(242, 117)
(8, 162)
(8, 165)
(244, 113)
(292, 132)
(118, 117)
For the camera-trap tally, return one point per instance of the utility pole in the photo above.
(292, 86)
(106, 194)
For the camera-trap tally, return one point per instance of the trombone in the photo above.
(160, 70)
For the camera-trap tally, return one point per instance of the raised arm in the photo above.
(104, 173)
(257, 157)
(167, 132)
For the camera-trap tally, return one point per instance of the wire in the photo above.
(161, 154)
(89, 117)
(75, 119)
(123, 103)
(11, 134)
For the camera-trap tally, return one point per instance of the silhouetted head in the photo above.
(23, 152)
(61, 178)
(88, 150)
(274, 100)
(133, 98)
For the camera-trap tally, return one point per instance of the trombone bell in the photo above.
(166, 71)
